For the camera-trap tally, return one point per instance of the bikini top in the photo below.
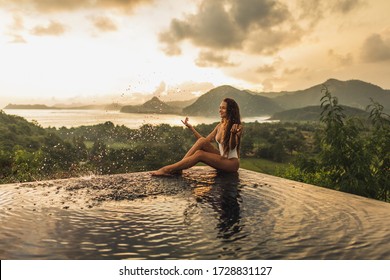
(231, 154)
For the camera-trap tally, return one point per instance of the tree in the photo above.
(379, 148)
(353, 156)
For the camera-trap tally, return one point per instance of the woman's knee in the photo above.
(199, 154)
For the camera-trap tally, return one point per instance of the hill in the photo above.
(112, 106)
(353, 93)
(153, 106)
(250, 104)
(15, 130)
(29, 106)
(313, 113)
(181, 104)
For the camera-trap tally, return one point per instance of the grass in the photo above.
(262, 165)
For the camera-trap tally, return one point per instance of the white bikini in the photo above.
(231, 154)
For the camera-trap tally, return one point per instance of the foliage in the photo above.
(353, 156)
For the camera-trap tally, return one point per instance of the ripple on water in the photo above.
(250, 216)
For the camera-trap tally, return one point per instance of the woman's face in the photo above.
(223, 110)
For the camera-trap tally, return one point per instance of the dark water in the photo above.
(242, 216)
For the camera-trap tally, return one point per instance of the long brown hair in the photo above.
(232, 117)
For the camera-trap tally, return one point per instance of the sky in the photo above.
(124, 50)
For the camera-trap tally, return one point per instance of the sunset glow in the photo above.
(54, 51)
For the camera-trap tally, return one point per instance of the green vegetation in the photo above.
(29, 152)
(352, 156)
(313, 113)
(339, 152)
(263, 165)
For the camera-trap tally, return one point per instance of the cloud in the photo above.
(376, 48)
(211, 27)
(257, 26)
(266, 69)
(263, 14)
(15, 29)
(311, 12)
(53, 29)
(292, 71)
(103, 23)
(211, 59)
(268, 42)
(346, 6)
(17, 39)
(71, 5)
(160, 90)
(18, 23)
(187, 90)
(342, 60)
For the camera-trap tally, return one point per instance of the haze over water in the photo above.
(74, 118)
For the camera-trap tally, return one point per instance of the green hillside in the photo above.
(16, 130)
(313, 113)
(250, 104)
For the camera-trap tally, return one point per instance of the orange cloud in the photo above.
(103, 23)
(71, 5)
(17, 39)
(210, 59)
(376, 48)
(53, 29)
(342, 60)
(261, 27)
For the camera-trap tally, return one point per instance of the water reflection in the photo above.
(220, 191)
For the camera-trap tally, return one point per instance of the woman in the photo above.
(227, 134)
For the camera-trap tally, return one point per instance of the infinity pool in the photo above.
(199, 215)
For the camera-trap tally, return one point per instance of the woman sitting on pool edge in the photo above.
(227, 134)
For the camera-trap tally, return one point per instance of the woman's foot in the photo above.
(161, 172)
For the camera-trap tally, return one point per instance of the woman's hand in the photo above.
(185, 122)
(236, 129)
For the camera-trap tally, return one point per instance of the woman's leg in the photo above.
(211, 159)
(201, 144)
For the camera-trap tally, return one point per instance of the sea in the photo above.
(74, 118)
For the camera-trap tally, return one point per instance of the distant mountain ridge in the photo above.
(250, 104)
(113, 106)
(153, 106)
(353, 93)
(29, 106)
(313, 113)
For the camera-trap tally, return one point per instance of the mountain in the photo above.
(250, 105)
(181, 104)
(109, 107)
(353, 93)
(313, 113)
(15, 130)
(29, 107)
(153, 106)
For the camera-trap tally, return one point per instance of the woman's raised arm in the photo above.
(190, 127)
